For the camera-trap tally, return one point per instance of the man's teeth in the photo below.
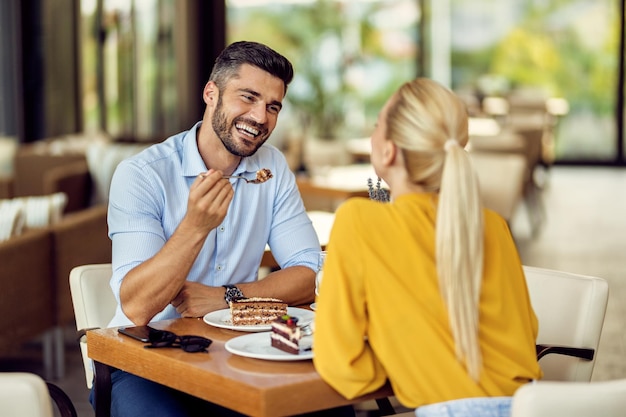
(247, 128)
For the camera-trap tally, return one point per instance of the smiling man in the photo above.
(186, 240)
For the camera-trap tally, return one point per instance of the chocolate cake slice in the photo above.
(286, 334)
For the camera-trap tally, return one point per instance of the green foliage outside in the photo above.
(329, 42)
(567, 49)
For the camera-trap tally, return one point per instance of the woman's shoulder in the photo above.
(359, 204)
(493, 218)
(361, 211)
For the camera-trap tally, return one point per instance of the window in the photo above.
(565, 49)
(129, 68)
(349, 56)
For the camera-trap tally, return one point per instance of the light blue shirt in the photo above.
(148, 200)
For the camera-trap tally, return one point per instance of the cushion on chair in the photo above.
(571, 399)
(37, 211)
(12, 219)
(25, 395)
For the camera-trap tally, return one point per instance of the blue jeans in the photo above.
(468, 407)
(135, 396)
(132, 396)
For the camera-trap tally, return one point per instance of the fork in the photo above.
(241, 177)
(306, 330)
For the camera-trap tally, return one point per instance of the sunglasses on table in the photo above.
(188, 343)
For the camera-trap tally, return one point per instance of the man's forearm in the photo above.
(148, 288)
(294, 285)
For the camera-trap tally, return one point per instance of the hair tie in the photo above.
(450, 143)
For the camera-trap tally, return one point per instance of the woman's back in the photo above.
(384, 286)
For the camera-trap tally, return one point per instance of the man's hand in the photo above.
(209, 198)
(196, 300)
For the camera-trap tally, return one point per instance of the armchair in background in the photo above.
(25, 394)
(571, 309)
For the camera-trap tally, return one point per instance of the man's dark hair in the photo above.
(253, 53)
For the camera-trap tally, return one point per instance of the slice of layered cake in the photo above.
(286, 334)
(256, 311)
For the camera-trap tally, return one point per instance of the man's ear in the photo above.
(210, 93)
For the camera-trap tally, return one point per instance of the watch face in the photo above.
(232, 293)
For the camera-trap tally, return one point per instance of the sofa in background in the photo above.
(34, 277)
(26, 290)
(34, 281)
(80, 238)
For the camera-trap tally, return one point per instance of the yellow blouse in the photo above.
(380, 315)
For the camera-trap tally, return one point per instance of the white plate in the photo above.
(259, 346)
(313, 306)
(221, 318)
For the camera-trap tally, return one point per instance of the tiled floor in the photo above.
(584, 232)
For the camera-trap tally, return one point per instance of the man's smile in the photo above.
(247, 129)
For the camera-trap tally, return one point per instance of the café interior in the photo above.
(87, 83)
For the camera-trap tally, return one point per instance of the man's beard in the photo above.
(223, 131)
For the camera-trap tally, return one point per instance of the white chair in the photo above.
(501, 176)
(94, 304)
(26, 394)
(570, 399)
(571, 309)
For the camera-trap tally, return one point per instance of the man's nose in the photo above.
(258, 113)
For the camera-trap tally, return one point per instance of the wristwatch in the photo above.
(232, 293)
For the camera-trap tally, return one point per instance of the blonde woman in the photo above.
(426, 291)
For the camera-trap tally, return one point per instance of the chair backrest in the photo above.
(570, 309)
(24, 394)
(501, 193)
(94, 303)
(571, 399)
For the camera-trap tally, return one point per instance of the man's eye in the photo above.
(274, 109)
(248, 98)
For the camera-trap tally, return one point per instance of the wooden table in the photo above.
(250, 386)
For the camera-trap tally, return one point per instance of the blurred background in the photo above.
(134, 69)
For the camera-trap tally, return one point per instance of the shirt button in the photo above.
(220, 267)
(222, 228)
